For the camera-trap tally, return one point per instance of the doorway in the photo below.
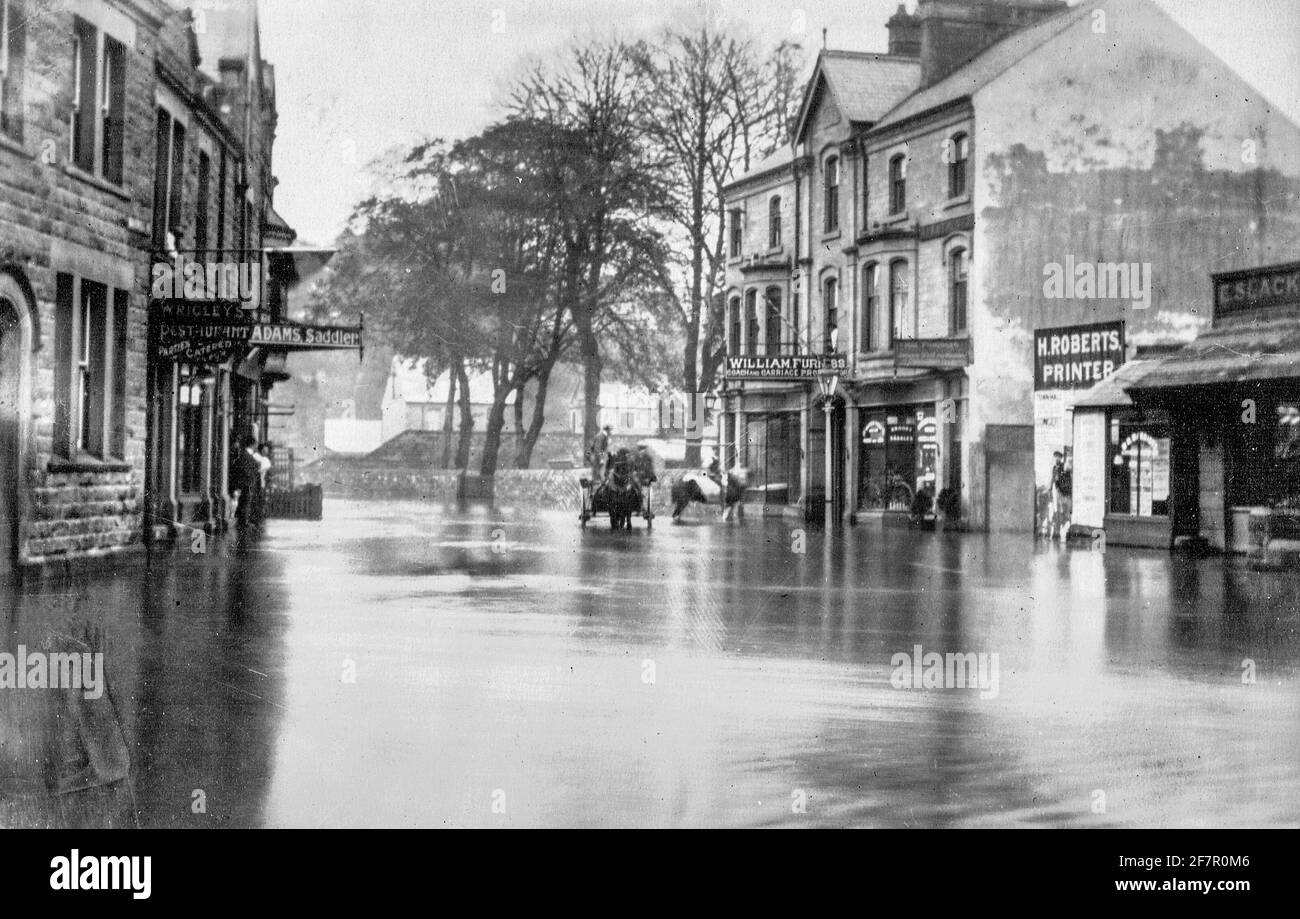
(15, 399)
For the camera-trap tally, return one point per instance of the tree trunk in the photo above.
(448, 419)
(466, 419)
(496, 420)
(524, 460)
(519, 417)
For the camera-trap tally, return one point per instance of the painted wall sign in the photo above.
(1077, 357)
(1270, 288)
(933, 353)
(198, 332)
(804, 367)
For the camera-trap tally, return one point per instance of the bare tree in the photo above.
(715, 108)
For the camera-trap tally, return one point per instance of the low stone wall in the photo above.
(546, 489)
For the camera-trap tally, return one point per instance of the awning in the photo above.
(1112, 391)
(1240, 353)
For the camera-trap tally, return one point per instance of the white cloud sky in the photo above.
(355, 79)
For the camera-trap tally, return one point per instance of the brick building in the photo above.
(132, 132)
(928, 192)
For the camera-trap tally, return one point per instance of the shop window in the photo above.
(13, 45)
(899, 457)
(1287, 455)
(1139, 465)
(192, 400)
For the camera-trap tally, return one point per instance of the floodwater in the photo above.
(400, 665)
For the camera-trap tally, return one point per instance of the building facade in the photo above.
(942, 193)
(135, 152)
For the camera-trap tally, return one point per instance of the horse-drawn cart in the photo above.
(624, 494)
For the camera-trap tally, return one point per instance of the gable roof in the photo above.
(863, 85)
(986, 67)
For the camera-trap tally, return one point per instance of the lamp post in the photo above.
(828, 382)
(710, 403)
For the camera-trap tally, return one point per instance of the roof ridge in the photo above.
(1064, 19)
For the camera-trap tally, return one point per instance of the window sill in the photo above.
(14, 146)
(953, 203)
(831, 235)
(894, 220)
(88, 464)
(104, 185)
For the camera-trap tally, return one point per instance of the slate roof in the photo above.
(866, 86)
(1240, 353)
(986, 67)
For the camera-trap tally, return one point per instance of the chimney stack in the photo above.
(955, 31)
(904, 34)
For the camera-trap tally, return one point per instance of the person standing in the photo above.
(245, 480)
(1062, 503)
(599, 453)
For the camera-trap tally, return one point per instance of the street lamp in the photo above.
(829, 383)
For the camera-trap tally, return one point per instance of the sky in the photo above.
(355, 80)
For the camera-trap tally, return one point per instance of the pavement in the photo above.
(401, 665)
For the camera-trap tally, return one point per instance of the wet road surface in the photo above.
(399, 665)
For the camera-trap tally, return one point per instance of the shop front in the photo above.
(1202, 447)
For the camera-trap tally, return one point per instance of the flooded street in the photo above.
(399, 666)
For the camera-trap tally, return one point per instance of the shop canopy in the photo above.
(1238, 353)
(1112, 392)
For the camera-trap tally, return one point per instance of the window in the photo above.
(774, 223)
(957, 287)
(794, 323)
(221, 206)
(203, 203)
(958, 154)
(832, 188)
(736, 231)
(191, 411)
(1139, 470)
(734, 340)
(627, 421)
(98, 102)
(169, 162)
(898, 291)
(772, 300)
(751, 322)
(831, 302)
(13, 47)
(875, 330)
(90, 386)
(898, 184)
(866, 191)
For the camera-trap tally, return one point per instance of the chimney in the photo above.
(955, 31)
(904, 34)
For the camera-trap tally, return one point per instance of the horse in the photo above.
(619, 495)
(698, 487)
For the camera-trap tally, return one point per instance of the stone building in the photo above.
(134, 136)
(937, 190)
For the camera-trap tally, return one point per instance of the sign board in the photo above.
(802, 367)
(933, 353)
(1077, 357)
(296, 336)
(1090, 468)
(194, 332)
(1257, 289)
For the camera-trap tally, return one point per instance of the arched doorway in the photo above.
(16, 342)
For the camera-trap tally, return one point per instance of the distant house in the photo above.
(414, 403)
(632, 411)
